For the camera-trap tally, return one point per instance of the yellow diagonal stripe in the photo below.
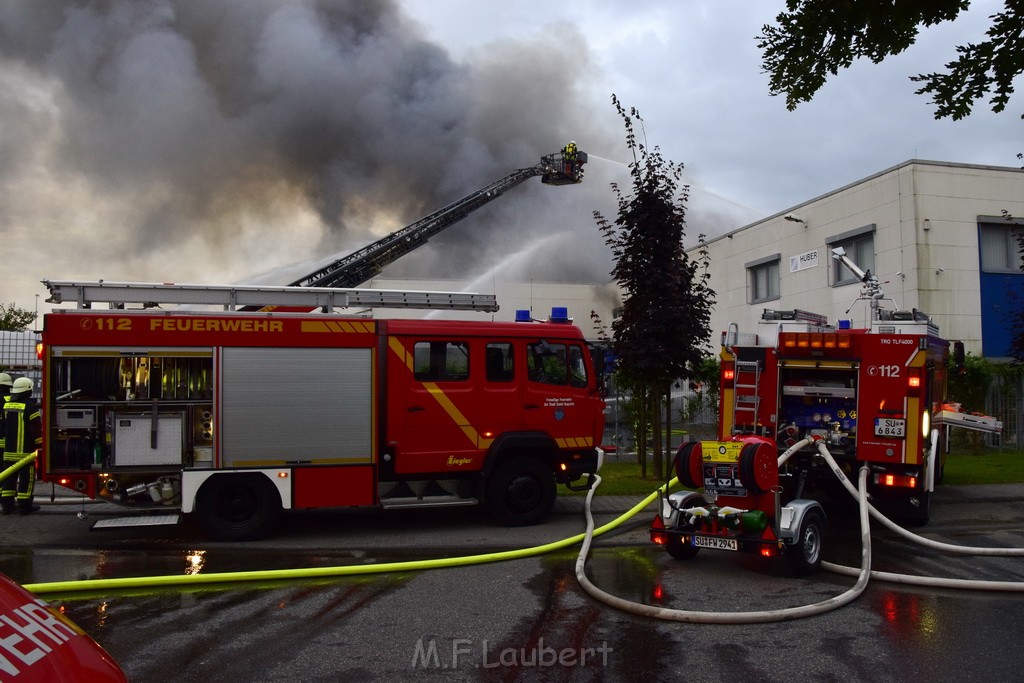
(337, 326)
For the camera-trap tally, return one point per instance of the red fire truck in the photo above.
(870, 395)
(234, 415)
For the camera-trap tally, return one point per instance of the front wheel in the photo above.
(237, 507)
(804, 554)
(520, 491)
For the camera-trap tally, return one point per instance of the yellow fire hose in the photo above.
(18, 465)
(321, 572)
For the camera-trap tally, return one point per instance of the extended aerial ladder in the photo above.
(561, 168)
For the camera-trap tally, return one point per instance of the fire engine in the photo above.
(872, 396)
(267, 406)
(235, 415)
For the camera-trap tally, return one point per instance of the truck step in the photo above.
(138, 520)
(425, 502)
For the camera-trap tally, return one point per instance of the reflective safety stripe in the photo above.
(442, 399)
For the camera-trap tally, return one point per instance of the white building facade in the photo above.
(939, 237)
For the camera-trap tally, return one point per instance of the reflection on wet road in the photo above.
(528, 619)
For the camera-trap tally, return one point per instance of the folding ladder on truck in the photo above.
(745, 398)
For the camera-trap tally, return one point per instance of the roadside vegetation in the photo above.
(991, 466)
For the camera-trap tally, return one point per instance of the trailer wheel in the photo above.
(676, 548)
(237, 507)
(520, 491)
(804, 554)
(681, 551)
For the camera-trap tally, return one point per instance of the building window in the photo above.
(1000, 252)
(861, 251)
(764, 278)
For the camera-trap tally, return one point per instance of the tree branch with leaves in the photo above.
(664, 329)
(816, 38)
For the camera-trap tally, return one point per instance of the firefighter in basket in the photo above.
(22, 437)
(569, 157)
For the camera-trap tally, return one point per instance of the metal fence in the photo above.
(1004, 402)
(18, 354)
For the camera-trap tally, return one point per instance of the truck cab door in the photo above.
(434, 428)
(559, 393)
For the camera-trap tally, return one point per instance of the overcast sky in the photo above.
(248, 140)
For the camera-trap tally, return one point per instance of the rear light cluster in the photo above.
(814, 340)
(896, 480)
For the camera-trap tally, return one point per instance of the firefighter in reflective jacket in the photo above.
(5, 393)
(569, 157)
(22, 436)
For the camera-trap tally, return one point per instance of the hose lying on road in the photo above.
(937, 545)
(937, 582)
(784, 614)
(321, 572)
(863, 574)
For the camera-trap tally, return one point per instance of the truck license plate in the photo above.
(715, 542)
(891, 427)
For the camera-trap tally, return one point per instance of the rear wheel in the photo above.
(922, 512)
(520, 491)
(237, 507)
(804, 554)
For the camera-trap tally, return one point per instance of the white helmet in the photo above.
(22, 384)
(5, 379)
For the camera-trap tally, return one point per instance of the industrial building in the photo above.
(939, 236)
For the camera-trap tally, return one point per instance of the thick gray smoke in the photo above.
(209, 141)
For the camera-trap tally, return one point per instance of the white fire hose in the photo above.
(863, 574)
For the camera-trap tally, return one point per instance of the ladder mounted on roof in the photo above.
(151, 295)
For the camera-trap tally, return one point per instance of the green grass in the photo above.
(622, 479)
(962, 468)
(987, 467)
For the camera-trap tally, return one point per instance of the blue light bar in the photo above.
(559, 314)
(523, 316)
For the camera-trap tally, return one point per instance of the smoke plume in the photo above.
(176, 140)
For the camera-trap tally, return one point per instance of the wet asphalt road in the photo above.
(527, 619)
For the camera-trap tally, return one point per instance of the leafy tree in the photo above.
(14, 319)
(815, 38)
(663, 332)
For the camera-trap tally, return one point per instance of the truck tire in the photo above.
(923, 512)
(520, 491)
(804, 554)
(237, 507)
